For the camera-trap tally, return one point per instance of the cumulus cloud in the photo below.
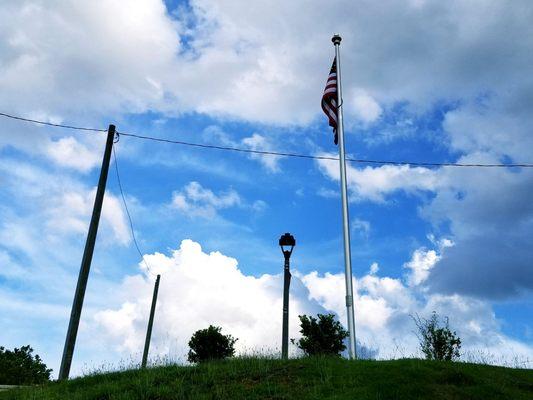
(166, 62)
(420, 265)
(426, 52)
(72, 62)
(198, 289)
(489, 219)
(424, 260)
(471, 55)
(80, 60)
(486, 211)
(383, 309)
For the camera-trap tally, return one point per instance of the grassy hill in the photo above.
(310, 378)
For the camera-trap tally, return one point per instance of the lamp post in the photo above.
(287, 243)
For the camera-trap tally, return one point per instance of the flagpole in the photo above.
(345, 217)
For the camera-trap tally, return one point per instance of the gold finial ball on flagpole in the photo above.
(336, 39)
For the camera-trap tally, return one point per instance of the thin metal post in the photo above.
(286, 285)
(150, 323)
(345, 216)
(77, 304)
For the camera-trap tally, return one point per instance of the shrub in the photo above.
(210, 344)
(437, 342)
(324, 335)
(20, 367)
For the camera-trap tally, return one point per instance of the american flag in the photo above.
(329, 98)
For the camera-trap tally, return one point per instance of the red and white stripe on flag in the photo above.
(329, 99)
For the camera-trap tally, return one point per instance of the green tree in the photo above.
(210, 344)
(20, 367)
(437, 341)
(324, 335)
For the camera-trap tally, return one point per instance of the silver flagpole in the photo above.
(345, 218)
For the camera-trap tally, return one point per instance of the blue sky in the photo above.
(423, 82)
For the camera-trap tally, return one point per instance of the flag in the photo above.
(329, 99)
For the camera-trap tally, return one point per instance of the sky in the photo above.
(423, 81)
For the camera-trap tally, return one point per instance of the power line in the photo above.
(128, 213)
(297, 155)
(281, 154)
(78, 128)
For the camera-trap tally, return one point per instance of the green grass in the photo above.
(308, 378)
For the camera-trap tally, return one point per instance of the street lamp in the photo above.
(287, 243)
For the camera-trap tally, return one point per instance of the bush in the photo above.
(437, 342)
(210, 344)
(322, 336)
(20, 367)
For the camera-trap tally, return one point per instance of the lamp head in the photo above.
(336, 39)
(285, 241)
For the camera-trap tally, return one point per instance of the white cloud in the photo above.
(44, 217)
(68, 152)
(486, 210)
(165, 63)
(195, 200)
(375, 183)
(374, 268)
(215, 134)
(360, 226)
(497, 125)
(488, 217)
(261, 143)
(259, 206)
(58, 204)
(328, 193)
(424, 260)
(198, 289)
(86, 64)
(393, 52)
(268, 70)
(421, 263)
(256, 142)
(70, 211)
(79, 59)
(363, 106)
(383, 307)
(83, 61)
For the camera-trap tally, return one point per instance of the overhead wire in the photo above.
(282, 154)
(128, 214)
(318, 157)
(79, 128)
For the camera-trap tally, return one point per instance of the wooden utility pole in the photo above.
(77, 304)
(150, 323)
